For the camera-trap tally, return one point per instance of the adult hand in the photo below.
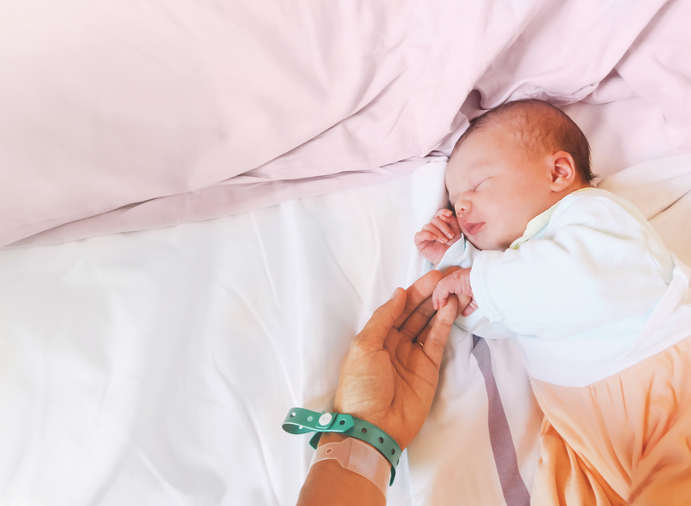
(391, 371)
(388, 379)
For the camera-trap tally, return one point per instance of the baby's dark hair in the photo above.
(539, 126)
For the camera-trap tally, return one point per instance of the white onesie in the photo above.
(588, 291)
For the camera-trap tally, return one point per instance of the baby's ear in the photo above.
(562, 171)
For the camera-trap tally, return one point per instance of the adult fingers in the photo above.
(382, 321)
(469, 308)
(418, 320)
(435, 340)
(464, 302)
(417, 293)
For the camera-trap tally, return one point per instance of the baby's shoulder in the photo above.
(596, 207)
(598, 216)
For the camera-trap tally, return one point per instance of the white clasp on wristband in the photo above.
(359, 457)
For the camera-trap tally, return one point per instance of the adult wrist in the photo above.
(357, 456)
(335, 437)
(302, 421)
(331, 437)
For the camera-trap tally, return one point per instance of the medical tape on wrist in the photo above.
(302, 421)
(358, 457)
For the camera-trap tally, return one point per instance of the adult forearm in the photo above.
(388, 378)
(329, 483)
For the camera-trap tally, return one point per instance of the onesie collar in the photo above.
(540, 221)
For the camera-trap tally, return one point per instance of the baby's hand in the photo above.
(438, 235)
(459, 283)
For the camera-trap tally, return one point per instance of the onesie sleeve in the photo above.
(597, 267)
(460, 254)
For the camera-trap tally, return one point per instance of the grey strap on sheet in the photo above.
(512, 485)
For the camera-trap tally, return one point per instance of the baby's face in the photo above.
(496, 188)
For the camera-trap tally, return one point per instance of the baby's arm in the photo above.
(598, 264)
(438, 235)
(459, 283)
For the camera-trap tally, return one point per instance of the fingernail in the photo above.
(394, 293)
(450, 236)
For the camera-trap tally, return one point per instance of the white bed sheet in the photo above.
(156, 367)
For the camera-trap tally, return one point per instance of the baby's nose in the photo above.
(463, 207)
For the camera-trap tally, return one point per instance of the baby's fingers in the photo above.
(424, 236)
(441, 293)
(442, 226)
(437, 235)
(444, 214)
(449, 217)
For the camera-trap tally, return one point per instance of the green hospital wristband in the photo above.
(302, 421)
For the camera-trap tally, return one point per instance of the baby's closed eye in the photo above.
(480, 183)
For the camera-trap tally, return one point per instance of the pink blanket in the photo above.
(120, 115)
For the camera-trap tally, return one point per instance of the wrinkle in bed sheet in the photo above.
(155, 364)
(323, 92)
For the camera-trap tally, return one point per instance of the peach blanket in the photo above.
(623, 440)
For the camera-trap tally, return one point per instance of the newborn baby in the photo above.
(600, 308)
(524, 159)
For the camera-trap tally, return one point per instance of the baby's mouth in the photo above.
(473, 228)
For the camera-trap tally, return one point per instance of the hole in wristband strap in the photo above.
(300, 420)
